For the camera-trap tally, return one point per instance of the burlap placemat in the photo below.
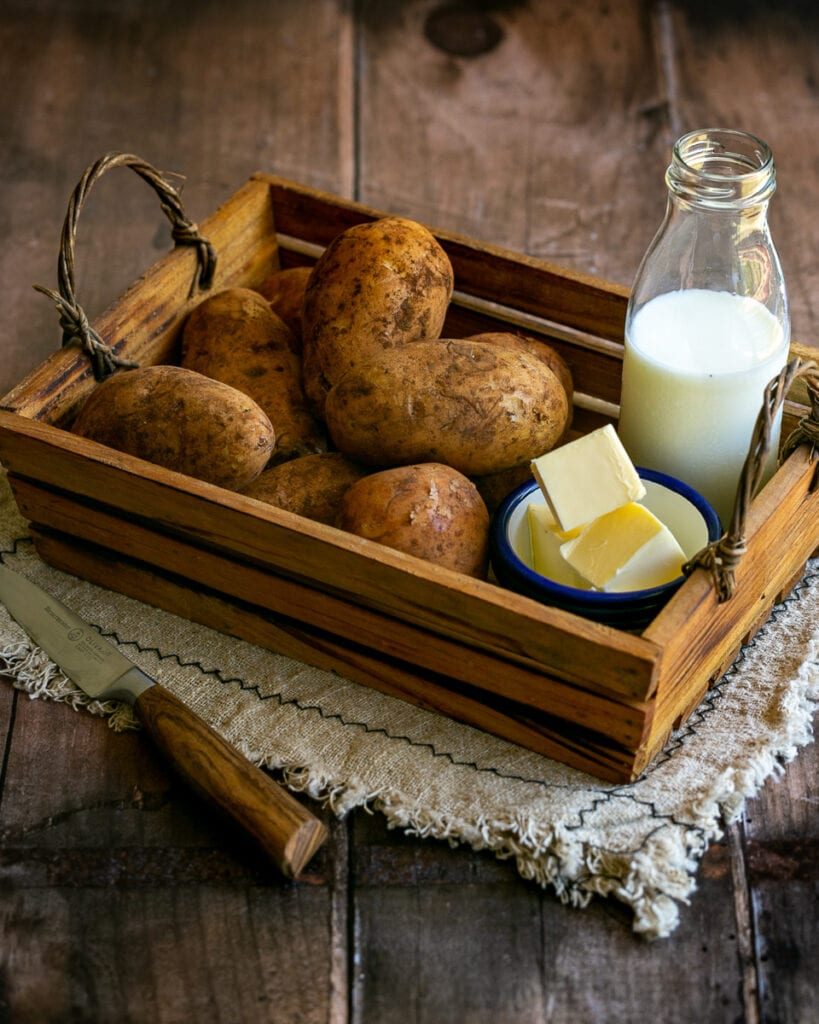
(349, 746)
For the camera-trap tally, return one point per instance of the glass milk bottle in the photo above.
(707, 323)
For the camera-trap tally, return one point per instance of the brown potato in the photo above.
(233, 336)
(376, 286)
(544, 352)
(311, 486)
(494, 487)
(478, 408)
(284, 290)
(430, 511)
(181, 420)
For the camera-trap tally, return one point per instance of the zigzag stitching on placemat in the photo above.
(706, 707)
(604, 795)
(283, 701)
(15, 545)
(708, 704)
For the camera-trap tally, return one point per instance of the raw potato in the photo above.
(430, 511)
(525, 343)
(284, 290)
(311, 486)
(376, 286)
(181, 420)
(233, 336)
(478, 408)
(494, 487)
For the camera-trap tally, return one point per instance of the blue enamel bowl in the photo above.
(684, 511)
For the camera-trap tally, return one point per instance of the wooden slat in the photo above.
(366, 573)
(412, 901)
(699, 637)
(596, 363)
(529, 284)
(625, 721)
(541, 733)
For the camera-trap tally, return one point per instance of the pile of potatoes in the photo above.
(330, 393)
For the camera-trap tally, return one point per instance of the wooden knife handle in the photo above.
(288, 832)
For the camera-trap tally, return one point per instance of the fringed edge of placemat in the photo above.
(652, 881)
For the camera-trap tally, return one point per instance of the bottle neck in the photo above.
(719, 169)
(746, 220)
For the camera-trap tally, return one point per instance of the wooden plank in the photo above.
(421, 907)
(161, 99)
(116, 882)
(532, 285)
(548, 736)
(163, 952)
(626, 722)
(781, 842)
(737, 65)
(544, 161)
(366, 573)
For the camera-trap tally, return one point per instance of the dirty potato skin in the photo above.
(311, 486)
(181, 420)
(478, 408)
(234, 337)
(284, 290)
(544, 352)
(430, 511)
(377, 286)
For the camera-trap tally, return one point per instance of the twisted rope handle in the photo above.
(73, 320)
(721, 557)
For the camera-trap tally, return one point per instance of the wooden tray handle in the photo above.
(721, 557)
(73, 320)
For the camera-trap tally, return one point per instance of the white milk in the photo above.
(695, 370)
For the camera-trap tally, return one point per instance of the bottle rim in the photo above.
(721, 168)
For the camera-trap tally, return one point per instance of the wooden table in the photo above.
(542, 126)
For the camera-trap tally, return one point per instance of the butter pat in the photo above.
(628, 549)
(587, 478)
(547, 538)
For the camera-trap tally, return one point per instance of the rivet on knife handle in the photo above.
(288, 832)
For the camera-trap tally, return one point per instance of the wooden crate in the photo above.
(594, 697)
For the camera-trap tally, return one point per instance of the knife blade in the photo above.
(288, 832)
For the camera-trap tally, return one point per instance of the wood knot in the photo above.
(462, 30)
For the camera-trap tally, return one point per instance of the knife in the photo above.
(288, 832)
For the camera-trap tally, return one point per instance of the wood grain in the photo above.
(548, 144)
(582, 748)
(162, 100)
(708, 49)
(166, 921)
(605, 712)
(413, 900)
(466, 609)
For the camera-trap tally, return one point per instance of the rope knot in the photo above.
(720, 560)
(75, 326)
(806, 431)
(185, 232)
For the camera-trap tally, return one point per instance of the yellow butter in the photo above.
(627, 549)
(587, 478)
(546, 540)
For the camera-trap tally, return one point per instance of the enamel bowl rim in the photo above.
(502, 549)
